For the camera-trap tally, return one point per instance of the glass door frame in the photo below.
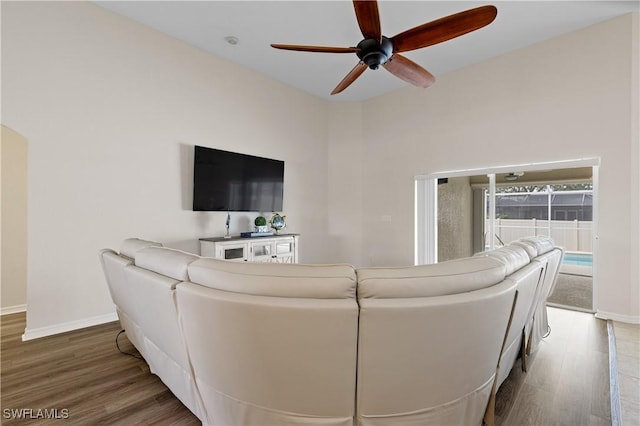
(426, 209)
(426, 205)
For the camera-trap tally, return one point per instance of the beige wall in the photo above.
(111, 110)
(345, 183)
(567, 98)
(13, 154)
(634, 165)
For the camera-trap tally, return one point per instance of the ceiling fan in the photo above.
(375, 49)
(511, 176)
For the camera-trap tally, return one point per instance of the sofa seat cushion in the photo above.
(131, 246)
(165, 261)
(275, 279)
(451, 277)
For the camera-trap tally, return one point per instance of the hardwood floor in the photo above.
(628, 365)
(567, 382)
(83, 373)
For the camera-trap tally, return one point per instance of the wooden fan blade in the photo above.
(323, 49)
(409, 71)
(368, 18)
(444, 29)
(350, 78)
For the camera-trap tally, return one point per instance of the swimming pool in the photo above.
(576, 263)
(578, 259)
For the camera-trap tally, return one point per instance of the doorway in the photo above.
(562, 211)
(461, 213)
(13, 190)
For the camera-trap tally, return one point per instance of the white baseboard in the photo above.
(13, 309)
(629, 319)
(36, 333)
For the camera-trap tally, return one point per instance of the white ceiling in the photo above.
(256, 24)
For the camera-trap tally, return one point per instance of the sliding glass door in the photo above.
(459, 214)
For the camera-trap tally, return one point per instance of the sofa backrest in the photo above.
(142, 285)
(429, 359)
(451, 277)
(271, 344)
(152, 282)
(542, 249)
(541, 244)
(165, 261)
(131, 246)
(528, 281)
(272, 279)
(550, 257)
(513, 257)
(113, 266)
(552, 260)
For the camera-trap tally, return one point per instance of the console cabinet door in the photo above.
(285, 251)
(261, 251)
(277, 250)
(237, 252)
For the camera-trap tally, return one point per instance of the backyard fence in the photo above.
(573, 235)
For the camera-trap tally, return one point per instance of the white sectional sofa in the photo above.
(272, 344)
(144, 293)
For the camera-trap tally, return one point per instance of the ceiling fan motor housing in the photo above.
(375, 53)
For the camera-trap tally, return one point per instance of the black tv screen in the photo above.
(229, 181)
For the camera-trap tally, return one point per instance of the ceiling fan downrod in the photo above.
(375, 53)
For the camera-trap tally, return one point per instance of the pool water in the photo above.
(578, 259)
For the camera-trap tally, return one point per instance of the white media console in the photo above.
(281, 248)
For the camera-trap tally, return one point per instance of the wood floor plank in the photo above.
(567, 382)
(83, 372)
(528, 407)
(600, 396)
(572, 397)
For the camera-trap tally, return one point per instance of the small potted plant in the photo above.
(261, 224)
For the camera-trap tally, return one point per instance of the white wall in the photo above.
(345, 183)
(13, 154)
(634, 164)
(567, 98)
(111, 110)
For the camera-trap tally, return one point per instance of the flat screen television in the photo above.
(229, 181)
